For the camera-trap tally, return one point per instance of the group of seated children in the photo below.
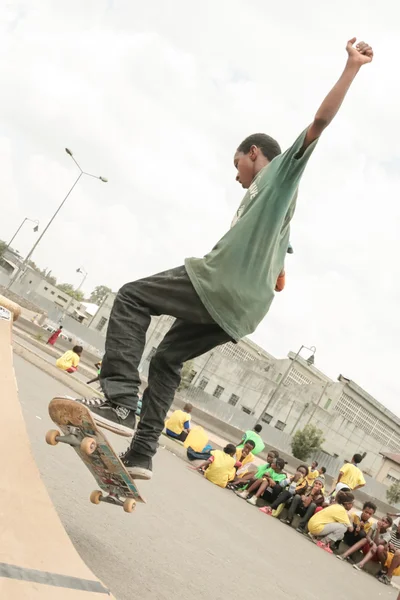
(327, 519)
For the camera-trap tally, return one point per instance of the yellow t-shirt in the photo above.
(352, 476)
(68, 360)
(220, 470)
(176, 421)
(247, 459)
(312, 475)
(356, 518)
(336, 513)
(196, 439)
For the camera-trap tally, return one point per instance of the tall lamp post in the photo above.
(81, 173)
(310, 361)
(85, 274)
(35, 229)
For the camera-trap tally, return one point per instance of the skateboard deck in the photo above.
(91, 445)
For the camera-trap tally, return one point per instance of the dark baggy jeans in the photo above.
(297, 507)
(193, 333)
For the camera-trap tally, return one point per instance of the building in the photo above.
(389, 472)
(99, 322)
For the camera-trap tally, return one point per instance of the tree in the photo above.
(99, 293)
(307, 441)
(393, 493)
(68, 288)
(186, 375)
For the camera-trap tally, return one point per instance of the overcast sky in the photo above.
(156, 97)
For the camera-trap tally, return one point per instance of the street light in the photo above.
(85, 274)
(35, 229)
(22, 267)
(310, 361)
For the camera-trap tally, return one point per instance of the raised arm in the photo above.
(358, 55)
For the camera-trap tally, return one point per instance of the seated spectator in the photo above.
(378, 535)
(330, 524)
(197, 444)
(253, 435)
(243, 479)
(321, 474)
(389, 557)
(178, 424)
(306, 505)
(219, 467)
(361, 526)
(266, 482)
(69, 361)
(295, 484)
(312, 473)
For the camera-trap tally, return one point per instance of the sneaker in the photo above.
(115, 418)
(252, 500)
(267, 510)
(137, 465)
(300, 530)
(242, 494)
(89, 402)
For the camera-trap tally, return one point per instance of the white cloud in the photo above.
(156, 97)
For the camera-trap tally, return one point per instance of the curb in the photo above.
(38, 361)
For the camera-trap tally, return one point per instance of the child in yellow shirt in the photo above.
(70, 360)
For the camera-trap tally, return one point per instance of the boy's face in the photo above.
(367, 513)
(317, 487)
(245, 165)
(247, 448)
(313, 466)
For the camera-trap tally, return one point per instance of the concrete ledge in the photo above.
(66, 379)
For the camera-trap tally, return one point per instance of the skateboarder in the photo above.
(216, 299)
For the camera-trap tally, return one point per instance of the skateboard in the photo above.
(91, 445)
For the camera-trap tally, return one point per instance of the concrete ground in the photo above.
(192, 539)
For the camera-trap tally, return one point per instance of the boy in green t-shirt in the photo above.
(219, 298)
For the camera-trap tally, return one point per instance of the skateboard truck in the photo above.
(87, 445)
(128, 504)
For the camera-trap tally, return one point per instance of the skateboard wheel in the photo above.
(88, 445)
(51, 437)
(129, 505)
(96, 496)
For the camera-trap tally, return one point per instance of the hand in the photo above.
(359, 55)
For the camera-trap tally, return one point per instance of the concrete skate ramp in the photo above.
(37, 558)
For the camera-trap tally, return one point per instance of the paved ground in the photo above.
(192, 539)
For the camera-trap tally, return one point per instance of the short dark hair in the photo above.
(258, 428)
(316, 463)
(60, 327)
(230, 449)
(77, 349)
(343, 497)
(357, 458)
(280, 463)
(305, 467)
(323, 469)
(251, 443)
(274, 453)
(268, 146)
(389, 520)
(369, 504)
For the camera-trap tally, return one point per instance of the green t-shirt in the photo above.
(267, 470)
(236, 280)
(254, 437)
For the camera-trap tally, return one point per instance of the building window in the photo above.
(101, 323)
(392, 478)
(203, 383)
(61, 298)
(191, 376)
(246, 410)
(46, 289)
(328, 403)
(233, 400)
(280, 425)
(218, 391)
(30, 281)
(267, 418)
(52, 293)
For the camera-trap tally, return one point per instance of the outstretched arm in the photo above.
(358, 55)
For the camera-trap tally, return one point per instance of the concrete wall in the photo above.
(389, 472)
